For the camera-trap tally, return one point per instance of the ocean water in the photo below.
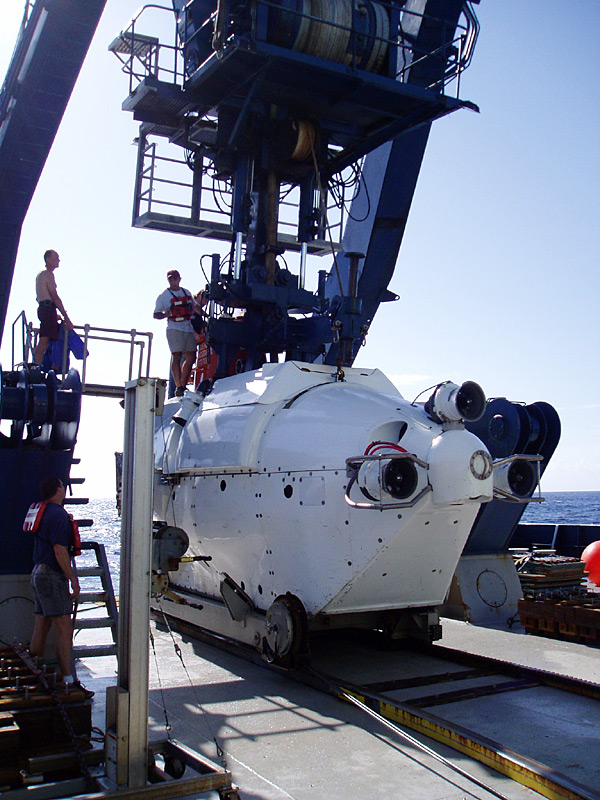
(106, 530)
(564, 508)
(558, 508)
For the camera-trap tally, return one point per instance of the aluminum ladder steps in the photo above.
(94, 651)
(103, 596)
(90, 572)
(92, 597)
(93, 622)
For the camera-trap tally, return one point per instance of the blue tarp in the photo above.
(54, 352)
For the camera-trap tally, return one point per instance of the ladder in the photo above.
(103, 598)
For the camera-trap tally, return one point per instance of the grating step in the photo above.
(90, 572)
(103, 390)
(91, 597)
(94, 622)
(92, 651)
(134, 44)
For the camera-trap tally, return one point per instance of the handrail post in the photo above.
(86, 333)
(141, 359)
(132, 333)
(148, 358)
(65, 350)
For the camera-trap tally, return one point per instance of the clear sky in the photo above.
(499, 269)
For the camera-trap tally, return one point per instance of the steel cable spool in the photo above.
(326, 39)
(289, 25)
(368, 44)
(379, 39)
(336, 30)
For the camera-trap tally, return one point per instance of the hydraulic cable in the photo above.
(219, 749)
(339, 691)
(524, 770)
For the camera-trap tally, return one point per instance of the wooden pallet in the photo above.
(575, 620)
(30, 721)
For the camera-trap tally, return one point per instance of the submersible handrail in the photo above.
(26, 334)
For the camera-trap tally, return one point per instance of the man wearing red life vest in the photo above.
(52, 573)
(177, 305)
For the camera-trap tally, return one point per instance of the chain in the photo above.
(41, 677)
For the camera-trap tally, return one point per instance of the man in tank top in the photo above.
(48, 303)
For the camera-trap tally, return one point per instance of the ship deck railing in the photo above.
(139, 343)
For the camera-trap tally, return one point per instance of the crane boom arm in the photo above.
(52, 45)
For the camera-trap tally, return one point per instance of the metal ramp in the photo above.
(103, 599)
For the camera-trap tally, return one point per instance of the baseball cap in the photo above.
(173, 273)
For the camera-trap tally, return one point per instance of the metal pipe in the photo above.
(303, 254)
(149, 352)
(237, 264)
(86, 336)
(271, 226)
(65, 350)
(131, 349)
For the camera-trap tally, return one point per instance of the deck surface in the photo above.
(282, 739)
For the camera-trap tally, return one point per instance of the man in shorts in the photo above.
(52, 573)
(177, 305)
(48, 302)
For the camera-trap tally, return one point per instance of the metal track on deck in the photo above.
(493, 676)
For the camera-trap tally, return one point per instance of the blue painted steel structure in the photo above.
(44, 423)
(508, 428)
(277, 95)
(52, 44)
(267, 94)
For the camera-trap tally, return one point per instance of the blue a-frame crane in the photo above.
(274, 94)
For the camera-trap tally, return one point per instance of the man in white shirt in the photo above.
(177, 305)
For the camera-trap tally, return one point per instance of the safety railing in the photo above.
(144, 56)
(383, 38)
(172, 192)
(139, 342)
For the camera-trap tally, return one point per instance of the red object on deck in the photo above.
(591, 558)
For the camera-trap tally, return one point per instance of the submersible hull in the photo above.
(337, 492)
